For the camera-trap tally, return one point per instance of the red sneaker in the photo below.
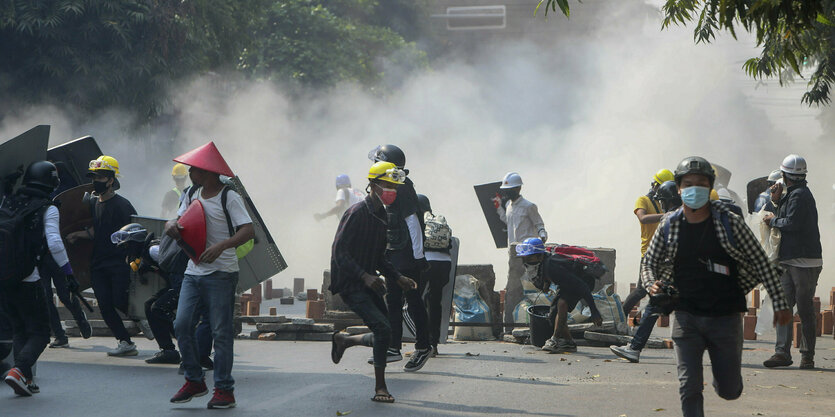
(222, 399)
(20, 384)
(190, 390)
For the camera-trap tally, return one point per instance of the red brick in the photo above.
(313, 294)
(749, 323)
(816, 304)
(256, 293)
(273, 311)
(315, 309)
(832, 298)
(796, 334)
(245, 298)
(827, 321)
(663, 321)
(752, 311)
(268, 289)
(755, 298)
(253, 308)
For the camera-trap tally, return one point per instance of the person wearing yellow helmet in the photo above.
(109, 274)
(171, 200)
(358, 258)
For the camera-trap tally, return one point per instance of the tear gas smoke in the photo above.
(586, 117)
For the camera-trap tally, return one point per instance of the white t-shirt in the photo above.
(51, 221)
(217, 230)
(350, 196)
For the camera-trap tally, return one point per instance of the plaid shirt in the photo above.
(752, 263)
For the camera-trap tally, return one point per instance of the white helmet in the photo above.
(511, 180)
(342, 181)
(725, 195)
(774, 176)
(794, 165)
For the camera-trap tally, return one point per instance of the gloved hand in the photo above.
(72, 284)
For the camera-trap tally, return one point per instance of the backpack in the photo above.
(723, 218)
(21, 240)
(437, 233)
(584, 261)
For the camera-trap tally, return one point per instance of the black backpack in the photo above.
(21, 237)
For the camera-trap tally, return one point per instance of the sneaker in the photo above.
(434, 351)
(777, 360)
(34, 387)
(559, 346)
(392, 355)
(146, 329)
(222, 398)
(165, 356)
(418, 359)
(807, 363)
(190, 390)
(550, 345)
(124, 348)
(60, 343)
(84, 327)
(626, 352)
(567, 345)
(19, 383)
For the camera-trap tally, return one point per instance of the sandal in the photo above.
(383, 398)
(336, 355)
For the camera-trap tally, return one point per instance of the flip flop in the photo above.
(336, 356)
(382, 398)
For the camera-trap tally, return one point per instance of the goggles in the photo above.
(525, 249)
(395, 174)
(96, 165)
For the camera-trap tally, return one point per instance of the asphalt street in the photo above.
(467, 379)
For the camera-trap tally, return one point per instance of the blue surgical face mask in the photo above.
(695, 197)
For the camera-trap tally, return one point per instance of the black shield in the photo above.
(754, 189)
(74, 158)
(486, 193)
(17, 153)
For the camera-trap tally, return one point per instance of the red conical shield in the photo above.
(193, 231)
(206, 157)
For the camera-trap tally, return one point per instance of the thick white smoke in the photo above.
(585, 118)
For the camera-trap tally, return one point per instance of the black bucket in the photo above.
(541, 329)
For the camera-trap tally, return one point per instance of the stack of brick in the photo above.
(282, 328)
(315, 305)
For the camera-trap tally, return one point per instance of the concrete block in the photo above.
(313, 294)
(315, 337)
(521, 332)
(749, 323)
(256, 293)
(298, 286)
(268, 289)
(254, 334)
(269, 319)
(827, 322)
(332, 302)
(278, 293)
(352, 330)
(315, 309)
(290, 327)
(287, 300)
(267, 336)
(299, 320)
(663, 321)
(273, 311)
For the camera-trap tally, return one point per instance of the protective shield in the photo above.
(18, 152)
(486, 194)
(146, 285)
(74, 156)
(753, 190)
(409, 330)
(193, 230)
(265, 260)
(76, 214)
(723, 175)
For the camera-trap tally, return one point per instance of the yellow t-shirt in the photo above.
(713, 195)
(647, 230)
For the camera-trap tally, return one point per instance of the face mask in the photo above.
(695, 197)
(100, 187)
(388, 196)
(511, 194)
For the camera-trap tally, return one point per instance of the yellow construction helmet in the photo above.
(388, 172)
(663, 175)
(104, 163)
(179, 170)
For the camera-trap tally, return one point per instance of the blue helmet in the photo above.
(530, 246)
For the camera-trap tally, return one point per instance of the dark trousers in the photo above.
(372, 310)
(722, 338)
(417, 311)
(52, 275)
(111, 283)
(634, 298)
(437, 278)
(161, 325)
(799, 287)
(25, 306)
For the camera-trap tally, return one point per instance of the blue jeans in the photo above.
(648, 319)
(216, 292)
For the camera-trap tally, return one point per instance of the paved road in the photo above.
(297, 379)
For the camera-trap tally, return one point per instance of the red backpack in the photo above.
(585, 261)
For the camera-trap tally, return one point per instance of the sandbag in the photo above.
(529, 298)
(470, 308)
(609, 305)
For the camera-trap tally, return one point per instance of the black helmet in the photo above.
(695, 165)
(42, 175)
(388, 153)
(667, 194)
(132, 232)
(423, 203)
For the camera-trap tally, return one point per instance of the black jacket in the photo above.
(797, 219)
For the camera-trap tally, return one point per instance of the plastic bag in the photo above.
(766, 316)
(470, 308)
(769, 236)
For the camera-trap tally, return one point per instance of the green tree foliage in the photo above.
(321, 42)
(794, 35)
(98, 54)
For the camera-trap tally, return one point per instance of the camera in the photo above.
(666, 300)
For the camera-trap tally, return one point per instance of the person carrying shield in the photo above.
(211, 277)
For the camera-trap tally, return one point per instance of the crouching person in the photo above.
(211, 280)
(358, 255)
(546, 269)
(22, 298)
(713, 259)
